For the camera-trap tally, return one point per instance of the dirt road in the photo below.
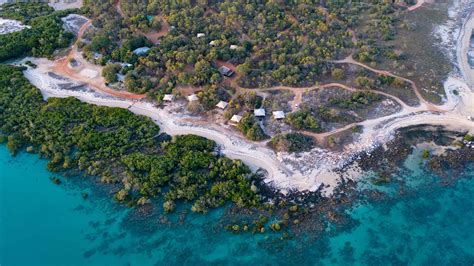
(87, 72)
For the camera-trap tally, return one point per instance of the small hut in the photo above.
(222, 105)
(168, 97)
(259, 112)
(193, 98)
(141, 51)
(278, 115)
(236, 118)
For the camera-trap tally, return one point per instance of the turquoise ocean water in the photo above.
(45, 224)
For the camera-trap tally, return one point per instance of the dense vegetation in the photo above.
(292, 142)
(274, 42)
(251, 129)
(358, 99)
(121, 148)
(42, 39)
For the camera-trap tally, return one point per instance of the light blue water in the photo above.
(45, 224)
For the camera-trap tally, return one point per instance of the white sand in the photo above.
(89, 73)
(9, 26)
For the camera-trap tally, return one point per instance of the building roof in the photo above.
(234, 47)
(222, 104)
(226, 71)
(236, 118)
(168, 97)
(199, 35)
(213, 43)
(278, 114)
(259, 112)
(192, 98)
(141, 50)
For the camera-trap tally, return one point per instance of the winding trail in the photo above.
(300, 91)
(429, 106)
(418, 4)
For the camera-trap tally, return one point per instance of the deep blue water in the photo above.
(46, 224)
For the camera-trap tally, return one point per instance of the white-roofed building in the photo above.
(168, 97)
(278, 114)
(213, 43)
(259, 112)
(222, 105)
(141, 50)
(236, 118)
(193, 98)
(234, 47)
(200, 35)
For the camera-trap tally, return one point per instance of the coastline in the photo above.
(377, 132)
(307, 171)
(380, 199)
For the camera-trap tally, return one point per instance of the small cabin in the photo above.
(234, 47)
(222, 105)
(193, 98)
(279, 115)
(225, 71)
(201, 35)
(141, 50)
(259, 112)
(213, 43)
(236, 118)
(168, 97)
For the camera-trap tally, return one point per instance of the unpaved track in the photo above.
(429, 106)
(418, 4)
(62, 67)
(298, 92)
